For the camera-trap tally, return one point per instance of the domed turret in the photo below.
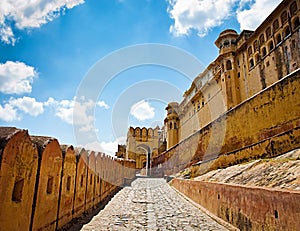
(172, 124)
(226, 41)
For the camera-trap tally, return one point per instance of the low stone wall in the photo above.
(45, 185)
(271, 147)
(248, 208)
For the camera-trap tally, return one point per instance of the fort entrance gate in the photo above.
(143, 145)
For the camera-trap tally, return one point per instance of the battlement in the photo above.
(143, 132)
(50, 184)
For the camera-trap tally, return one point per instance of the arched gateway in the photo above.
(143, 145)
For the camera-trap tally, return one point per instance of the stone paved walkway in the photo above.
(150, 204)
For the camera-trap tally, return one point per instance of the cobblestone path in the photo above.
(150, 204)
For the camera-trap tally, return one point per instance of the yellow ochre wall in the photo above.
(268, 123)
(35, 191)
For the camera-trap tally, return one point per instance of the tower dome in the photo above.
(226, 38)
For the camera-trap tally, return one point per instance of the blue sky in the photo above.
(48, 47)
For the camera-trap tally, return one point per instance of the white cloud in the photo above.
(30, 14)
(16, 77)
(8, 113)
(82, 115)
(7, 35)
(50, 102)
(108, 148)
(251, 18)
(12, 109)
(28, 105)
(88, 127)
(142, 110)
(102, 104)
(203, 15)
(121, 140)
(198, 15)
(63, 109)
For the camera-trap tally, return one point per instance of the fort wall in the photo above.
(18, 168)
(248, 208)
(45, 206)
(247, 63)
(45, 185)
(97, 196)
(67, 186)
(81, 182)
(90, 186)
(268, 123)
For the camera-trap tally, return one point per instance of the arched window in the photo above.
(261, 39)
(257, 58)
(251, 63)
(256, 45)
(278, 39)
(68, 183)
(271, 46)
(175, 125)
(171, 126)
(287, 31)
(226, 43)
(275, 25)
(228, 65)
(268, 32)
(250, 50)
(18, 190)
(50, 184)
(284, 17)
(293, 8)
(264, 52)
(296, 23)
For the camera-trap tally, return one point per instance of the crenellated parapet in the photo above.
(142, 143)
(50, 184)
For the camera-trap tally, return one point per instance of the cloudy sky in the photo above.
(49, 47)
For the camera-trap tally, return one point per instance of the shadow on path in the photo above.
(77, 223)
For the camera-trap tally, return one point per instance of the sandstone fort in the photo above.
(244, 106)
